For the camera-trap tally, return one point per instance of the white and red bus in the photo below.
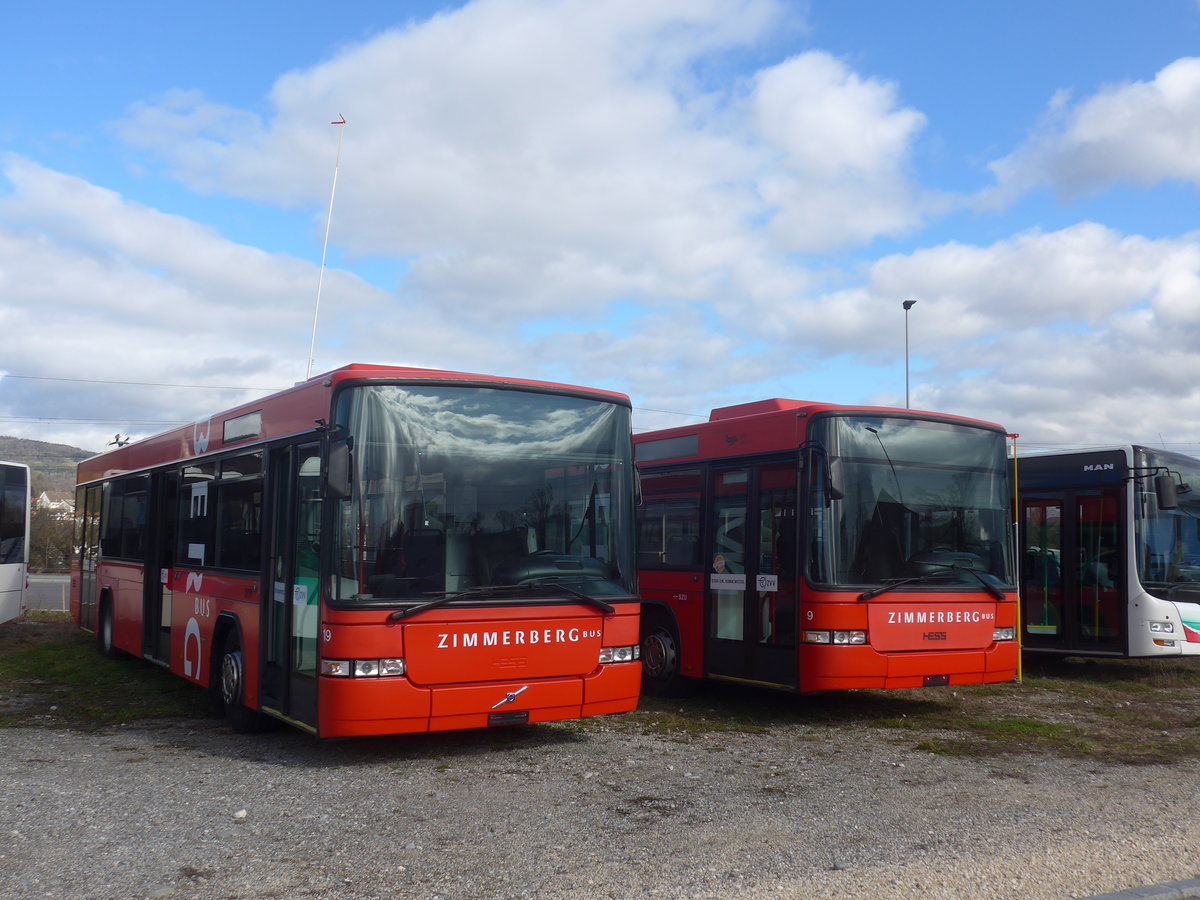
(1110, 552)
(377, 550)
(14, 538)
(812, 547)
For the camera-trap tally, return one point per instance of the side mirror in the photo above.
(837, 480)
(1164, 488)
(337, 471)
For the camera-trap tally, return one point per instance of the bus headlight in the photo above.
(620, 654)
(843, 638)
(339, 668)
(1004, 634)
(1162, 627)
(363, 668)
(388, 667)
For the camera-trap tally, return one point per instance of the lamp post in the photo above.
(908, 304)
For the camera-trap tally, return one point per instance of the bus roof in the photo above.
(292, 411)
(764, 426)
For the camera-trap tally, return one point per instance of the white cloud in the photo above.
(1144, 132)
(842, 145)
(542, 156)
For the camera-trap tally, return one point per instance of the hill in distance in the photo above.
(52, 466)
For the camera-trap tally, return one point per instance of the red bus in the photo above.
(377, 550)
(813, 547)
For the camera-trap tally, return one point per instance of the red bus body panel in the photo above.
(464, 663)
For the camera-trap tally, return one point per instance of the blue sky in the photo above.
(696, 202)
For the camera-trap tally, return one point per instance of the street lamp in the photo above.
(908, 304)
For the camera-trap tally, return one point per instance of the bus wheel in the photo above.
(104, 634)
(242, 718)
(660, 661)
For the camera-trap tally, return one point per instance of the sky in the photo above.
(693, 202)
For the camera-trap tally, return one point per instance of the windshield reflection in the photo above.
(458, 488)
(1168, 540)
(900, 498)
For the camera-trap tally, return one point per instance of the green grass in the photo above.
(1116, 711)
(52, 676)
(1121, 711)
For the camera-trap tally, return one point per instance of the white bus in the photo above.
(1110, 552)
(14, 538)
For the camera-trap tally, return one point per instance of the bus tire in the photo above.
(104, 632)
(231, 690)
(660, 659)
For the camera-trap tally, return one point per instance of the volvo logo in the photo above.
(511, 698)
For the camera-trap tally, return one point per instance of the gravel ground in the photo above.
(185, 809)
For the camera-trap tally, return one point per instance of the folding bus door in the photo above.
(1100, 613)
(292, 611)
(87, 513)
(1072, 571)
(159, 552)
(752, 584)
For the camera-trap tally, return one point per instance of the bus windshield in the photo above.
(899, 498)
(462, 488)
(1168, 540)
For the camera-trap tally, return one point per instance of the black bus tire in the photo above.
(232, 689)
(661, 675)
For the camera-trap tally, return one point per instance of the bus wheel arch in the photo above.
(661, 672)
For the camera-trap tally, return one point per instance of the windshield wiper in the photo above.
(883, 589)
(574, 592)
(451, 596)
(496, 590)
(987, 586)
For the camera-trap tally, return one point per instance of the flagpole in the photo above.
(341, 123)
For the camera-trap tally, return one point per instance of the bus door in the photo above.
(1072, 571)
(161, 515)
(88, 535)
(752, 584)
(291, 615)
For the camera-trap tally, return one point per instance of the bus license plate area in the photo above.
(512, 717)
(936, 680)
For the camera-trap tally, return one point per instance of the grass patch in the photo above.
(52, 676)
(1023, 728)
(1122, 712)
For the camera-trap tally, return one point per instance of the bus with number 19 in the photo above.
(377, 550)
(815, 547)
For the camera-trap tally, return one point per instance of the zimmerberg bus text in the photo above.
(939, 617)
(450, 641)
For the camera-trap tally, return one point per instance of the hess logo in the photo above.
(934, 635)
